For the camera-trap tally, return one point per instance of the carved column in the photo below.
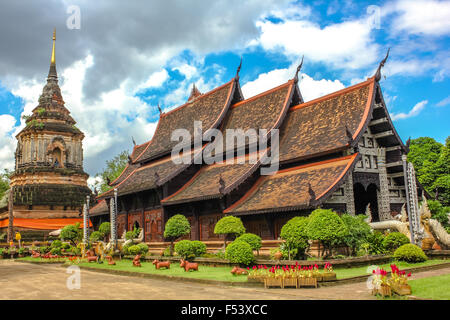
(349, 195)
(384, 208)
(11, 215)
(413, 214)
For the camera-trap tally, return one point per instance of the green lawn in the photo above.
(342, 273)
(204, 272)
(436, 288)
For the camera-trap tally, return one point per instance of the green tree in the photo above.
(431, 160)
(72, 232)
(230, 226)
(113, 169)
(295, 236)
(105, 229)
(4, 182)
(176, 227)
(326, 226)
(359, 231)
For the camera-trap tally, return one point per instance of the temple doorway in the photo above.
(365, 196)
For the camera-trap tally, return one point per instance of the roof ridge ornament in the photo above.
(159, 109)
(312, 194)
(134, 142)
(378, 73)
(221, 184)
(298, 70)
(238, 69)
(194, 93)
(349, 135)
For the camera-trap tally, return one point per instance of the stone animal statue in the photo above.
(35, 254)
(161, 264)
(111, 262)
(137, 261)
(237, 271)
(188, 265)
(91, 257)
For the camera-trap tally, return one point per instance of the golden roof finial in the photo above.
(53, 50)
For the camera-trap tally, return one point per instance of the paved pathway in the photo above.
(33, 281)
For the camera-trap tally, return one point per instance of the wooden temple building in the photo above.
(339, 151)
(49, 185)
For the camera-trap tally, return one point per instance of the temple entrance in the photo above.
(363, 197)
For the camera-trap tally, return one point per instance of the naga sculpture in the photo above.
(432, 233)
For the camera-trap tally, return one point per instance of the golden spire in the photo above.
(53, 50)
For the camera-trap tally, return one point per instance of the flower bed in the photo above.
(291, 276)
(397, 283)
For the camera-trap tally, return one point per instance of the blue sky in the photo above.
(113, 75)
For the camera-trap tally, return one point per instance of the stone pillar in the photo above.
(384, 208)
(10, 215)
(349, 195)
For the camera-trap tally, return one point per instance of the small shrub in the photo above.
(2, 251)
(326, 226)
(105, 229)
(230, 226)
(394, 240)
(144, 248)
(21, 250)
(56, 244)
(125, 249)
(66, 246)
(44, 250)
(375, 243)
(134, 250)
(239, 252)
(410, 253)
(185, 249)
(96, 236)
(56, 251)
(129, 235)
(295, 236)
(358, 231)
(199, 248)
(72, 232)
(252, 239)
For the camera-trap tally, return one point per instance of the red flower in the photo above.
(409, 274)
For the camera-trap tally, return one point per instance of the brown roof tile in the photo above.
(144, 178)
(263, 111)
(319, 126)
(209, 108)
(205, 183)
(289, 189)
(130, 167)
(99, 209)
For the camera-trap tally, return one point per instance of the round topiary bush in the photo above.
(144, 248)
(295, 236)
(230, 226)
(56, 250)
(198, 248)
(95, 236)
(326, 226)
(105, 229)
(140, 248)
(176, 227)
(56, 244)
(410, 253)
(395, 240)
(252, 239)
(239, 252)
(185, 249)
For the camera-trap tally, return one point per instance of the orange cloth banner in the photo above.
(42, 224)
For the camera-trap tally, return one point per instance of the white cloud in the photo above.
(345, 45)
(108, 123)
(426, 17)
(7, 142)
(444, 102)
(413, 112)
(155, 80)
(187, 70)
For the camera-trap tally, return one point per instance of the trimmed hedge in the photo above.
(410, 253)
(190, 249)
(239, 252)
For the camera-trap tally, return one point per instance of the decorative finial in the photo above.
(129, 159)
(408, 143)
(159, 108)
(134, 142)
(53, 50)
(312, 194)
(194, 93)
(349, 135)
(378, 73)
(239, 69)
(108, 181)
(221, 185)
(298, 70)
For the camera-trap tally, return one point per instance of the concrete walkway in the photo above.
(33, 281)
